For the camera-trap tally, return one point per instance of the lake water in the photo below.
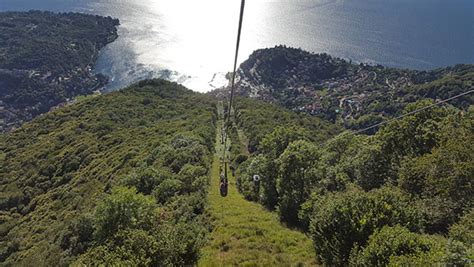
(192, 42)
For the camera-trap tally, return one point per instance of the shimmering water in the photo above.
(192, 41)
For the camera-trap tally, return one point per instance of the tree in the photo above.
(446, 172)
(189, 176)
(78, 235)
(123, 209)
(341, 221)
(293, 183)
(272, 146)
(414, 135)
(370, 167)
(250, 188)
(390, 242)
(166, 190)
(133, 247)
(145, 179)
(461, 241)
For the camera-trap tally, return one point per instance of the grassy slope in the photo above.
(246, 234)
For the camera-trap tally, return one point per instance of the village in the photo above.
(331, 88)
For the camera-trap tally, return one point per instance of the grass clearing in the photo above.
(246, 234)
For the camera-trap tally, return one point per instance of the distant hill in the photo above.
(47, 59)
(338, 90)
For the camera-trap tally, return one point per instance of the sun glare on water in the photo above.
(194, 39)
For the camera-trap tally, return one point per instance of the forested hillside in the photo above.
(47, 59)
(357, 96)
(116, 179)
(400, 197)
(122, 179)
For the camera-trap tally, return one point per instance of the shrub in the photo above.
(390, 242)
(251, 189)
(79, 235)
(127, 248)
(123, 209)
(167, 189)
(189, 176)
(342, 220)
(145, 179)
(461, 245)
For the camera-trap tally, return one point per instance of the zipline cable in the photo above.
(234, 73)
(402, 116)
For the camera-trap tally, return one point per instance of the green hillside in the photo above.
(155, 136)
(123, 179)
(131, 178)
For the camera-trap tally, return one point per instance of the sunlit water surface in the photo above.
(192, 41)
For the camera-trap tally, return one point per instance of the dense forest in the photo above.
(356, 96)
(47, 59)
(400, 197)
(114, 179)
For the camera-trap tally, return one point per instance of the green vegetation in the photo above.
(386, 245)
(46, 59)
(410, 182)
(119, 179)
(258, 119)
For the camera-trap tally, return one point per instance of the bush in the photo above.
(145, 179)
(239, 159)
(184, 150)
(257, 165)
(167, 189)
(437, 214)
(390, 242)
(79, 235)
(123, 209)
(130, 247)
(446, 172)
(272, 146)
(461, 245)
(463, 231)
(189, 176)
(342, 220)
